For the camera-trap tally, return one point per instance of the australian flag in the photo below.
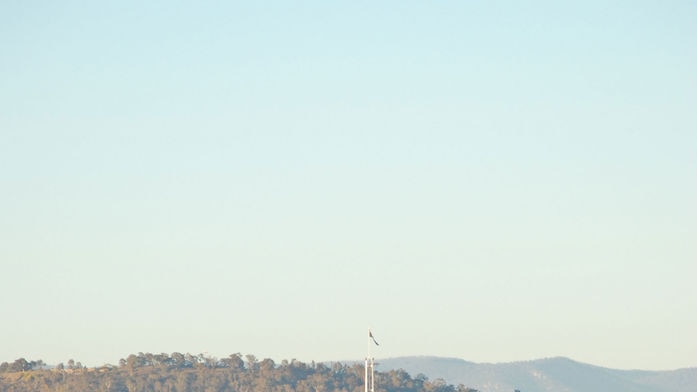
(370, 335)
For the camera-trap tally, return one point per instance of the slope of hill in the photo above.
(544, 375)
(185, 373)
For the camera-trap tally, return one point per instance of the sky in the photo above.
(486, 180)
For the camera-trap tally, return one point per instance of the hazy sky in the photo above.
(484, 180)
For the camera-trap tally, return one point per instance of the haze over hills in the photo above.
(544, 375)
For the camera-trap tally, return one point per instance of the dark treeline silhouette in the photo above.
(176, 372)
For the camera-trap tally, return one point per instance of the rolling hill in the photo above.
(544, 375)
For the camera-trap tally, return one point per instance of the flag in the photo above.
(370, 335)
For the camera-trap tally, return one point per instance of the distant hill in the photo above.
(543, 375)
(177, 372)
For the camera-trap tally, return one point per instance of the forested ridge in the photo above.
(176, 372)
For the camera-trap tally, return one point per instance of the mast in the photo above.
(370, 365)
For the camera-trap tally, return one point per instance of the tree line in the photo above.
(176, 372)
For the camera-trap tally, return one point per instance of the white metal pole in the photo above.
(372, 374)
(367, 364)
(366, 375)
(370, 363)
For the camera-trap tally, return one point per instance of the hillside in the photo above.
(146, 372)
(544, 375)
(185, 372)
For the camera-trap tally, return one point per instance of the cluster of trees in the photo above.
(21, 365)
(199, 373)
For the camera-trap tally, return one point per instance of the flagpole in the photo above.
(370, 363)
(366, 375)
(372, 374)
(366, 363)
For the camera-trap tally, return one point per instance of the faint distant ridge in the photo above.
(431, 366)
(558, 374)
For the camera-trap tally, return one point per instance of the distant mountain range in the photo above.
(543, 375)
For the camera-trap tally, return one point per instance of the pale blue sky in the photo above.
(485, 180)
